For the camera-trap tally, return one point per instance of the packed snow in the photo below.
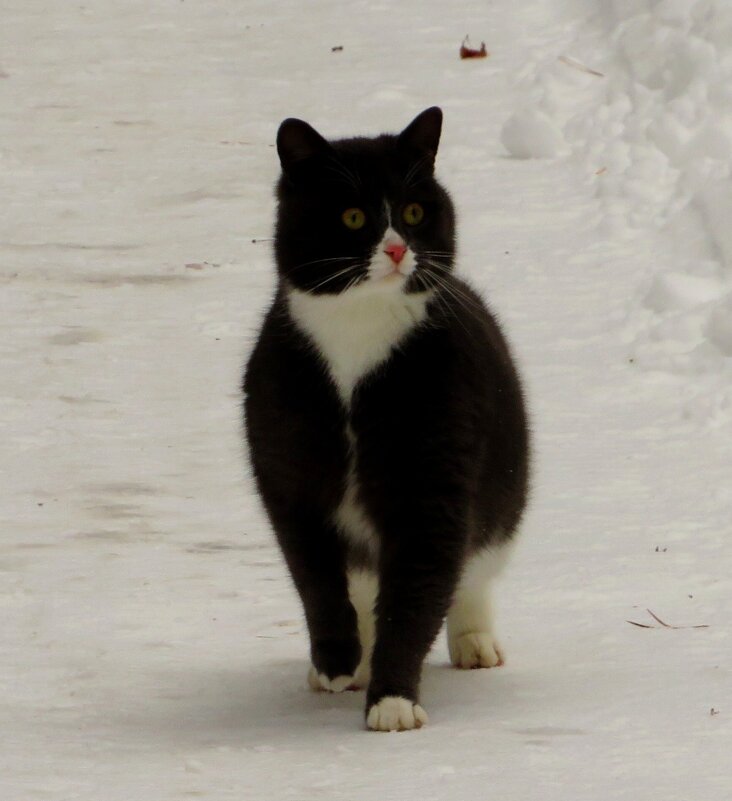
(152, 646)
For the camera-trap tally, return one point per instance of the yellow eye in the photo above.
(353, 219)
(413, 214)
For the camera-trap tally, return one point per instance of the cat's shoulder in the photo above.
(281, 348)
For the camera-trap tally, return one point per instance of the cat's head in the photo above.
(358, 213)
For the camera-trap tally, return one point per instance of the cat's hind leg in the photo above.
(363, 587)
(471, 636)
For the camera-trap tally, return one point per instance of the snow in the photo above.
(152, 646)
(720, 325)
(646, 110)
(531, 134)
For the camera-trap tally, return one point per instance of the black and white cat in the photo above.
(384, 416)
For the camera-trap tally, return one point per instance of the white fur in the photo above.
(319, 681)
(394, 713)
(350, 516)
(470, 628)
(355, 331)
(363, 587)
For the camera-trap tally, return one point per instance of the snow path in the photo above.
(151, 645)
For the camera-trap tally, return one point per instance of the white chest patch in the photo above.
(356, 330)
(350, 516)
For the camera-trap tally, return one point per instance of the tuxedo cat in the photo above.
(384, 418)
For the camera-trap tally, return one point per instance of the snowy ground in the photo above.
(151, 645)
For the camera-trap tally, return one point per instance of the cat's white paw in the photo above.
(477, 649)
(321, 683)
(394, 713)
(362, 676)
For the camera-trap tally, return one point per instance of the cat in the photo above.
(384, 417)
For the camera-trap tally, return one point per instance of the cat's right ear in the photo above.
(297, 142)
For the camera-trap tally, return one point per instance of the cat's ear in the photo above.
(419, 140)
(297, 142)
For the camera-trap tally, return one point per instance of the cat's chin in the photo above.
(392, 276)
(391, 283)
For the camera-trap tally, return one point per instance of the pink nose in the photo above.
(396, 252)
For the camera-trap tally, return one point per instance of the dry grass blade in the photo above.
(658, 620)
(570, 62)
(669, 626)
(663, 623)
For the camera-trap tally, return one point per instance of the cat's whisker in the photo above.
(336, 275)
(457, 292)
(444, 253)
(328, 280)
(352, 283)
(324, 261)
(462, 300)
(465, 302)
(443, 304)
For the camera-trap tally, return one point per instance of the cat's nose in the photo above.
(395, 252)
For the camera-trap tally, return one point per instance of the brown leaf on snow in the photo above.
(470, 52)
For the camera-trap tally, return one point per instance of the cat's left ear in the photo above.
(422, 136)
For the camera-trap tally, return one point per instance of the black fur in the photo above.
(442, 458)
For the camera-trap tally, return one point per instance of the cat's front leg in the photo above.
(418, 575)
(315, 555)
(335, 650)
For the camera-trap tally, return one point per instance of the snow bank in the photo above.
(643, 99)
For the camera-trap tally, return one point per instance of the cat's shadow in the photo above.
(271, 706)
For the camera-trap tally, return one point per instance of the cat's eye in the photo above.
(413, 214)
(353, 219)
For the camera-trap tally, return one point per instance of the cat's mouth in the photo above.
(389, 276)
(395, 271)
